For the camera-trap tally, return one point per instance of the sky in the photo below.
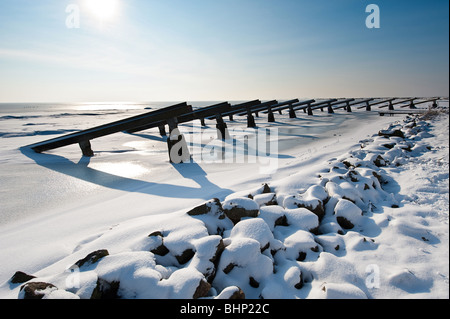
(214, 50)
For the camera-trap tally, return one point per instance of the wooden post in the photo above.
(349, 108)
(391, 106)
(173, 124)
(222, 129)
(86, 148)
(270, 116)
(162, 130)
(434, 104)
(250, 119)
(330, 109)
(292, 114)
(310, 112)
(368, 107)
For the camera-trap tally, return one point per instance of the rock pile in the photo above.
(247, 246)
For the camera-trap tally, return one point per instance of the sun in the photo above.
(102, 9)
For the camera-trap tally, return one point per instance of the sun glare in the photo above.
(102, 9)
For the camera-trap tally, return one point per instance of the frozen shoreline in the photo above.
(104, 196)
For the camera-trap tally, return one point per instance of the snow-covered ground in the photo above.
(338, 211)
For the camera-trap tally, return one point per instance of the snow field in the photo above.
(354, 231)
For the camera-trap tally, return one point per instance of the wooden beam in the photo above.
(258, 108)
(83, 137)
(321, 105)
(346, 106)
(290, 105)
(391, 103)
(198, 114)
(377, 102)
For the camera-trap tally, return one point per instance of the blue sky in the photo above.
(190, 50)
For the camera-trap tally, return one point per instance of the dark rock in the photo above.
(353, 175)
(238, 294)
(266, 189)
(253, 283)
(156, 234)
(20, 277)
(235, 212)
(202, 289)
(281, 221)
(273, 201)
(36, 290)
(314, 230)
(212, 205)
(392, 132)
(106, 290)
(299, 285)
(219, 250)
(267, 199)
(344, 222)
(378, 177)
(380, 161)
(265, 247)
(389, 146)
(185, 256)
(301, 256)
(211, 273)
(317, 209)
(229, 268)
(347, 164)
(92, 258)
(161, 250)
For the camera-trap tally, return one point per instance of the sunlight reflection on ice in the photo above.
(123, 169)
(101, 106)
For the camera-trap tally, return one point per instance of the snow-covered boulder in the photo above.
(342, 291)
(273, 216)
(255, 229)
(233, 292)
(241, 207)
(313, 199)
(242, 264)
(43, 290)
(266, 199)
(302, 218)
(298, 245)
(213, 216)
(347, 214)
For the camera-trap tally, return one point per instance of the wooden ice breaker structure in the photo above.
(184, 113)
